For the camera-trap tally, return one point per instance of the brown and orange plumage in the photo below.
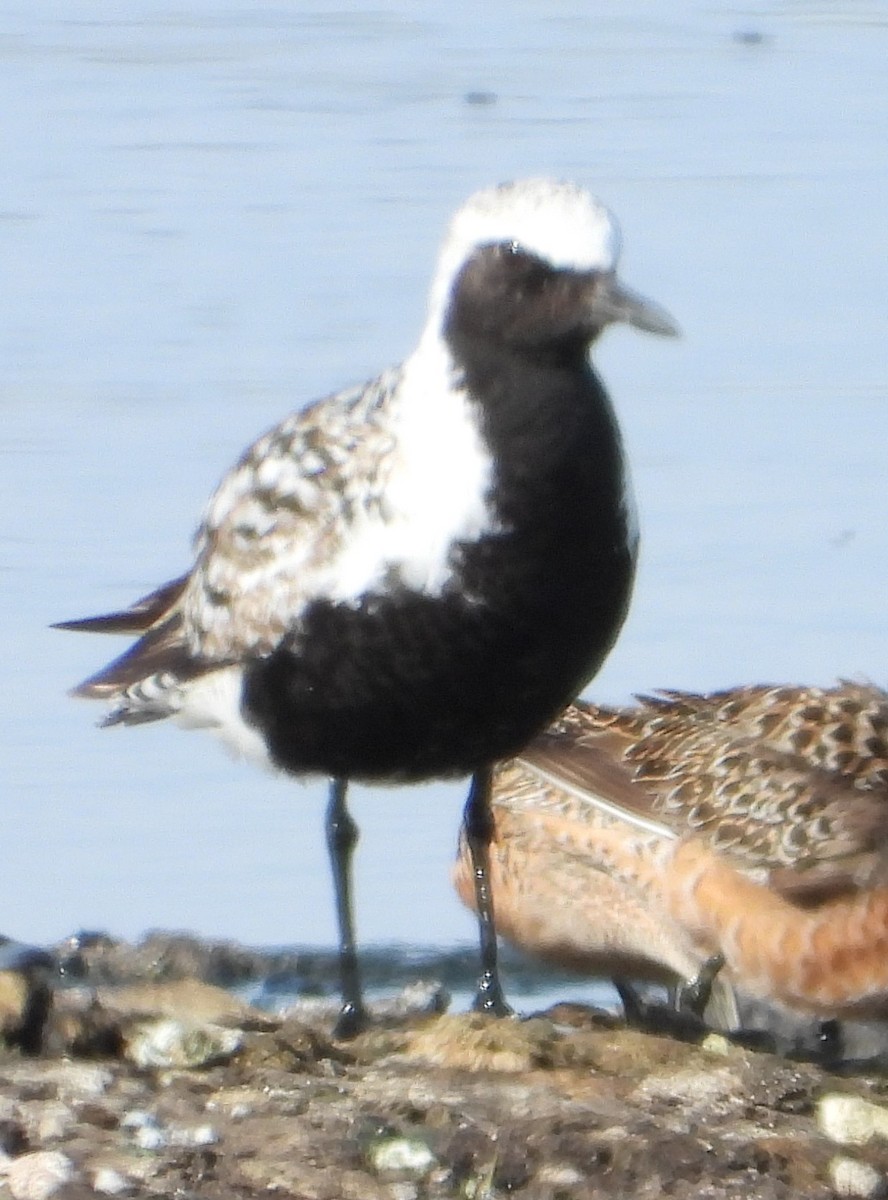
(751, 822)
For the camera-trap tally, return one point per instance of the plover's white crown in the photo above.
(559, 222)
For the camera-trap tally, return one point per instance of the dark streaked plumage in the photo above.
(784, 779)
(408, 579)
(752, 823)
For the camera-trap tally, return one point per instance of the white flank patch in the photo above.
(436, 493)
(559, 222)
(213, 702)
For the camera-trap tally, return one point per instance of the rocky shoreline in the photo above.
(154, 1080)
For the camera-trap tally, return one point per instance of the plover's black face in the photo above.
(508, 296)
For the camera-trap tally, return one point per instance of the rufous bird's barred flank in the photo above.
(751, 822)
(409, 578)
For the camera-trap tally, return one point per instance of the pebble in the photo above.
(851, 1120)
(717, 1043)
(109, 1182)
(82, 1081)
(402, 1154)
(150, 1134)
(404, 1191)
(137, 1118)
(559, 1175)
(55, 1121)
(852, 1178)
(692, 1086)
(39, 1175)
(149, 1137)
(200, 1135)
(169, 1044)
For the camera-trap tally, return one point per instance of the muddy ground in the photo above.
(164, 1084)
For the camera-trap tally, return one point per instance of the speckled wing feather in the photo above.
(264, 549)
(272, 534)
(790, 781)
(566, 761)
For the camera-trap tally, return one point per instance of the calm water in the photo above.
(211, 214)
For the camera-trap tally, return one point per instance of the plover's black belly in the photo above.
(405, 686)
(416, 688)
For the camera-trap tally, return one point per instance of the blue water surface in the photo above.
(211, 213)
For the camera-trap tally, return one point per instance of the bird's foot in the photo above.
(662, 1020)
(693, 995)
(489, 997)
(352, 1020)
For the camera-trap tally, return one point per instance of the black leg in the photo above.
(633, 1006)
(830, 1047)
(649, 1016)
(479, 830)
(342, 835)
(694, 994)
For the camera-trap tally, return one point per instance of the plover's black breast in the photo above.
(451, 657)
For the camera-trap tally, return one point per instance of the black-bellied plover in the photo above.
(750, 824)
(407, 579)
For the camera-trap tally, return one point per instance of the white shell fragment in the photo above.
(169, 1044)
(850, 1120)
(108, 1182)
(404, 1155)
(852, 1178)
(39, 1175)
